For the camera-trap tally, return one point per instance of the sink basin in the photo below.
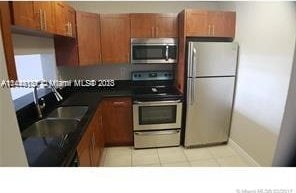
(51, 128)
(70, 112)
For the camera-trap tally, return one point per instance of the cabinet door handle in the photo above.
(91, 154)
(71, 29)
(152, 31)
(67, 29)
(44, 20)
(40, 18)
(119, 104)
(213, 28)
(209, 29)
(156, 31)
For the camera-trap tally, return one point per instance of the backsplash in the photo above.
(116, 72)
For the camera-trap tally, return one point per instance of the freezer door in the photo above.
(209, 111)
(212, 59)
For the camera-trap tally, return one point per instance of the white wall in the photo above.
(266, 32)
(11, 147)
(286, 146)
(141, 6)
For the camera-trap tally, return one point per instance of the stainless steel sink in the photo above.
(70, 112)
(51, 128)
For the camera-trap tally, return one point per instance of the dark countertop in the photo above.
(60, 151)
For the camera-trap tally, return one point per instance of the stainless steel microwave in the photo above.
(154, 50)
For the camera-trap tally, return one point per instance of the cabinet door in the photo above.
(117, 121)
(142, 25)
(166, 26)
(94, 126)
(216, 22)
(60, 18)
(24, 14)
(100, 134)
(7, 40)
(88, 35)
(72, 22)
(46, 21)
(229, 24)
(84, 149)
(196, 23)
(115, 38)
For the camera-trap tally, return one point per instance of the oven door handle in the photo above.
(156, 102)
(157, 132)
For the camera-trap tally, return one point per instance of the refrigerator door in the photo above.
(209, 108)
(212, 59)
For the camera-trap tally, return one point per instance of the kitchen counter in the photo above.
(61, 150)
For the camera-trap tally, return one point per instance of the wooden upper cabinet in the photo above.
(38, 15)
(229, 20)
(166, 26)
(45, 15)
(154, 25)
(65, 19)
(209, 23)
(23, 14)
(71, 18)
(88, 37)
(115, 38)
(5, 31)
(142, 25)
(60, 18)
(118, 121)
(196, 23)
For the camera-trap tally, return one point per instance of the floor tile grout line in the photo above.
(183, 148)
(159, 158)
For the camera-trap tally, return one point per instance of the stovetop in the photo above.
(154, 85)
(156, 93)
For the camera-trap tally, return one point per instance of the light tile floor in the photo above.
(216, 156)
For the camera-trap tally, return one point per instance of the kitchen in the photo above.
(177, 85)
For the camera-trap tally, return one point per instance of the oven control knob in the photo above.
(135, 75)
(165, 74)
(139, 75)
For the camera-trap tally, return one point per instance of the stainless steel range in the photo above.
(157, 109)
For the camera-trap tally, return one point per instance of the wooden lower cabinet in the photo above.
(118, 121)
(91, 146)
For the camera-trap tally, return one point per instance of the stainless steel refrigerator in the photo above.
(211, 75)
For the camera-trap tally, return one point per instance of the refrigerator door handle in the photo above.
(193, 63)
(190, 46)
(192, 91)
(189, 82)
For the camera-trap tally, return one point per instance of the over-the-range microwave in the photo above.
(154, 50)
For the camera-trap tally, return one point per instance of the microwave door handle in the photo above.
(167, 53)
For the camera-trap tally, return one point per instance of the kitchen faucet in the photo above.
(39, 107)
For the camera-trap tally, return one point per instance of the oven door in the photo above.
(157, 115)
